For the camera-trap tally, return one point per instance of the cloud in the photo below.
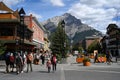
(96, 13)
(57, 3)
(38, 16)
(11, 2)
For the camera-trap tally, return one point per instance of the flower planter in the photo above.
(86, 63)
(104, 59)
(79, 60)
(101, 59)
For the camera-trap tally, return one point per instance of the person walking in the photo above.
(109, 57)
(42, 58)
(48, 65)
(7, 61)
(12, 61)
(19, 63)
(54, 62)
(24, 62)
(96, 57)
(29, 61)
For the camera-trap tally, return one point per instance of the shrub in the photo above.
(86, 60)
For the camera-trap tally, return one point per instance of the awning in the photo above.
(14, 41)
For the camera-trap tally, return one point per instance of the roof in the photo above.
(93, 37)
(3, 7)
(38, 23)
(6, 9)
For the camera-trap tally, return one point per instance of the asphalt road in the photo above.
(66, 72)
(70, 71)
(90, 75)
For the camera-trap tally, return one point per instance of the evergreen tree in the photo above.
(59, 42)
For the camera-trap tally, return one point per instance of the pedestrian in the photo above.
(48, 65)
(109, 57)
(37, 59)
(7, 61)
(42, 57)
(29, 61)
(96, 57)
(116, 56)
(12, 61)
(24, 62)
(19, 63)
(54, 62)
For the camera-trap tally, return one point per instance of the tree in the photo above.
(2, 47)
(78, 47)
(59, 42)
(94, 46)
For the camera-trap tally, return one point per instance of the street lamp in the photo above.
(64, 41)
(22, 14)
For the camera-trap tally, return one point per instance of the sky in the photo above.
(96, 13)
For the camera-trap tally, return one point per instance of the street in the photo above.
(69, 71)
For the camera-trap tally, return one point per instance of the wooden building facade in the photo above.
(11, 31)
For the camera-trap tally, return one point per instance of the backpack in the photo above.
(12, 58)
(54, 59)
(19, 60)
(7, 57)
(29, 58)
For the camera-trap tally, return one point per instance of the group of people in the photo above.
(18, 61)
(21, 61)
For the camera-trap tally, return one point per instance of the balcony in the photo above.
(7, 37)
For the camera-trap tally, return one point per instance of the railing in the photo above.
(7, 37)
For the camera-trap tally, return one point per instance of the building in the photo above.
(40, 34)
(20, 33)
(90, 39)
(11, 30)
(104, 42)
(113, 39)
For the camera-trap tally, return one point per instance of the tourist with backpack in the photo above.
(54, 62)
(12, 60)
(29, 61)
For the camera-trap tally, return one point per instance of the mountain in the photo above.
(74, 28)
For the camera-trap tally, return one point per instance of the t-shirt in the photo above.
(12, 58)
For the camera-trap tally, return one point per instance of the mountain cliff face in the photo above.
(74, 28)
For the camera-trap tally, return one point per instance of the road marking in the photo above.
(62, 74)
(96, 71)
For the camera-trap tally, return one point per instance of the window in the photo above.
(6, 32)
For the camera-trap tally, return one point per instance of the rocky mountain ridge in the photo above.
(73, 27)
